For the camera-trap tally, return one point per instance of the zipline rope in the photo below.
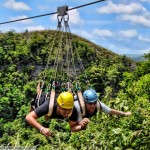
(50, 13)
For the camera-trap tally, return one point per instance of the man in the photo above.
(63, 108)
(92, 106)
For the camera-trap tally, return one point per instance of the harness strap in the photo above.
(39, 94)
(80, 105)
(77, 106)
(51, 103)
(98, 105)
(81, 101)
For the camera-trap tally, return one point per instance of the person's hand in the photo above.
(84, 122)
(46, 132)
(127, 113)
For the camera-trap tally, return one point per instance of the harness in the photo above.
(81, 102)
(65, 65)
(80, 108)
(51, 103)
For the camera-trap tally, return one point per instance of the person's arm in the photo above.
(108, 110)
(31, 119)
(78, 126)
(117, 112)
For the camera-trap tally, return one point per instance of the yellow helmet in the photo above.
(65, 100)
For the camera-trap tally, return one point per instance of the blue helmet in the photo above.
(90, 96)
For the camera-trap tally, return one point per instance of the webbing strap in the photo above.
(81, 101)
(98, 105)
(77, 106)
(51, 103)
(39, 95)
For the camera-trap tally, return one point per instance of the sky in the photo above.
(122, 26)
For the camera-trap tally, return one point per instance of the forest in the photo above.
(122, 84)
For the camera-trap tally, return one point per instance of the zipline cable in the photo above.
(51, 13)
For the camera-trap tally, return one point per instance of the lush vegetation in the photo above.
(122, 83)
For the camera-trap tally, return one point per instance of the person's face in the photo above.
(91, 107)
(65, 112)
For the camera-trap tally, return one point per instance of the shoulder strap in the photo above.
(77, 106)
(98, 105)
(51, 103)
(38, 98)
(39, 91)
(81, 102)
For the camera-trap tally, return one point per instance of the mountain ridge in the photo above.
(136, 57)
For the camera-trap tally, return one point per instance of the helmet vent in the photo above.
(86, 97)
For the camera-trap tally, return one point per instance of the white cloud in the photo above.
(53, 17)
(120, 8)
(113, 48)
(137, 19)
(145, 39)
(74, 17)
(43, 8)
(128, 33)
(12, 4)
(144, 51)
(35, 28)
(28, 21)
(102, 33)
(125, 50)
(84, 34)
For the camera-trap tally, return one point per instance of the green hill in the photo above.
(31, 50)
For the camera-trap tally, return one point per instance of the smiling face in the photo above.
(91, 107)
(65, 112)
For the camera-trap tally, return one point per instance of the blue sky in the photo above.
(122, 26)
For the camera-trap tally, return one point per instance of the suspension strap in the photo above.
(78, 107)
(98, 105)
(78, 61)
(58, 63)
(81, 99)
(50, 52)
(51, 103)
(70, 60)
(61, 11)
(40, 85)
(59, 26)
(51, 100)
(64, 59)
